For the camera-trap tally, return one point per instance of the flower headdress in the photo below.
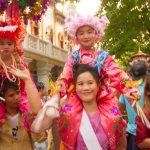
(74, 23)
(14, 31)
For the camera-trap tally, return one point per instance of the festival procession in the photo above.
(74, 75)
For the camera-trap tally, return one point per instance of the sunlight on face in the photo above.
(6, 47)
(86, 37)
(86, 87)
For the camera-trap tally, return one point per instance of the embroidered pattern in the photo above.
(64, 115)
(98, 62)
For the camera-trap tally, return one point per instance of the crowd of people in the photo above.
(90, 117)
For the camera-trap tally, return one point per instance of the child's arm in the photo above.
(114, 73)
(32, 93)
(116, 77)
(66, 76)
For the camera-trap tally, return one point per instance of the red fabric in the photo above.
(142, 130)
(105, 99)
(12, 10)
(114, 74)
(109, 121)
(110, 71)
(66, 76)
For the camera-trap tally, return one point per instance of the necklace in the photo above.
(5, 68)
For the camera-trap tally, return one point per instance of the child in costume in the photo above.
(138, 73)
(86, 31)
(12, 34)
(95, 131)
(143, 131)
(15, 125)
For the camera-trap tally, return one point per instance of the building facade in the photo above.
(47, 46)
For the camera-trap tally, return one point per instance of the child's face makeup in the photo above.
(6, 47)
(86, 37)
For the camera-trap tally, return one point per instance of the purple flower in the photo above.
(130, 101)
(3, 5)
(115, 110)
(67, 108)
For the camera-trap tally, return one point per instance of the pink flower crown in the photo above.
(98, 24)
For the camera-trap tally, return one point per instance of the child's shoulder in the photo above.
(74, 51)
(102, 51)
(75, 55)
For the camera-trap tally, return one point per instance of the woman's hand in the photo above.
(22, 73)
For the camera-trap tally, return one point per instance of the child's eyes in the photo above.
(9, 43)
(90, 83)
(81, 33)
(80, 83)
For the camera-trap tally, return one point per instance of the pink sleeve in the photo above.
(114, 73)
(66, 76)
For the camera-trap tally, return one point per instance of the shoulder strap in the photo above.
(98, 63)
(75, 56)
(88, 134)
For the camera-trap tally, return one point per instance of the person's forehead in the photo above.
(6, 40)
(85, 27)
(11, 91)
(85, 76)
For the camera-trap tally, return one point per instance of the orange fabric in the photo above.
(62, 147)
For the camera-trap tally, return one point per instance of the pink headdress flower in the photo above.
(98, 24)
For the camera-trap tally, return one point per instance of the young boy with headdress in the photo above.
(12, 34)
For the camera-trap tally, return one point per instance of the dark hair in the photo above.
(7, 84)
(40, 85)
(81, 68)
(138, 71)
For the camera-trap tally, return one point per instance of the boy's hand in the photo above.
(22, 73)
